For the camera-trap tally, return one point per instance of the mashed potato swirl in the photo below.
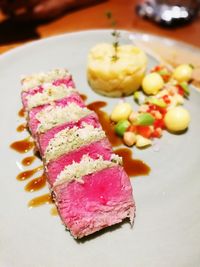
(119, 77)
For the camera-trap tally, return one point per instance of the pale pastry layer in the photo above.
(70, 139)
(35, 80)
(86, 166)
(49, 94)
(56, 115)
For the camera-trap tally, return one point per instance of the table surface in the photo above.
(93, 17)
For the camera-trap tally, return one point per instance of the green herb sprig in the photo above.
(115, 34)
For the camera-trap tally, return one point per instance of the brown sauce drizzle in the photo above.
(36, 184)
(27, 174)
(21, 113)
(23, 146)
(133, 167)
(28, 160)
(84, 97)
(105, 121)
(54, 211)
(41, 200)
(21, 127)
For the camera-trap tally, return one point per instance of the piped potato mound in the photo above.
(116, 72)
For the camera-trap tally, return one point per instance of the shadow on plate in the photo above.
(179, 132)
(102, 232)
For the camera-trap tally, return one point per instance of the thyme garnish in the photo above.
(191, 66)
(115, 34)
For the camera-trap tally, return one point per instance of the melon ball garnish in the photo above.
(177, 119)
(152, 83)
(183, 73)
(121, 112)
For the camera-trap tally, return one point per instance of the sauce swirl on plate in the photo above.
(105, 121)
(29, 173)
(133, 167)
(23, 146)
(21, 113)
(21, 127)
(41, 200)
(28, 160)
(36, 184)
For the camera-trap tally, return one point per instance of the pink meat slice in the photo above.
(32, 91)
(104, 199)
(67, 81)
(33, 122)
(93, 150)
(43, 139)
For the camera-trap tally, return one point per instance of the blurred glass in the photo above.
(169, 12)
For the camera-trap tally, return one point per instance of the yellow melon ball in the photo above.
(183, 73)
(177, 119)
(121, 112)
(152, 83)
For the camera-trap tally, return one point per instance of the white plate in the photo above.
(167, 225)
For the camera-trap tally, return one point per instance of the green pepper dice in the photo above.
(121, 127)
(144, 119)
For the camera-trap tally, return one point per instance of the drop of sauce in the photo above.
(27, 174)
(36, 184)
(21, 113)
(105, 121)
(28, 160)
(41, 200)
(23, 146)
(84, 97)
(133, 167)
(54, 211)
(21, 127)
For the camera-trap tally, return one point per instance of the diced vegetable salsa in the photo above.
(160, 99)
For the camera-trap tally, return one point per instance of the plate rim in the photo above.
(30, 46)
(62, 35)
